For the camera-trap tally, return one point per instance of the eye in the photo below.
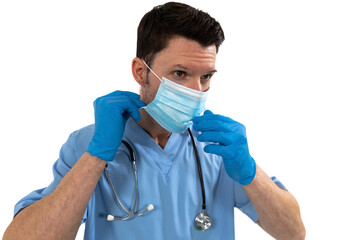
(207, 76)
(179, 74)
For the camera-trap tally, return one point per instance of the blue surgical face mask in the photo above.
(175, 106)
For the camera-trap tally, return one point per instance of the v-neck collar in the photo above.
(143, 142)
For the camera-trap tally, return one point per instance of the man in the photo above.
(176, 53)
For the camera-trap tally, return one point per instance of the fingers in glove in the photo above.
(209, 116)
(213, 125)
(131, 108)
(227, 152)
(216, 137)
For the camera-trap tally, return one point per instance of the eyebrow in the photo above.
(185, 68)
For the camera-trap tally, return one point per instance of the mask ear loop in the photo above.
(151, 70)
(152, 73)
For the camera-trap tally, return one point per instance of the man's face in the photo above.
(184, 62)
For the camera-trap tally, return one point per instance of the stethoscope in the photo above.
(202, 220)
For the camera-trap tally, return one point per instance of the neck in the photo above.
(157, 132)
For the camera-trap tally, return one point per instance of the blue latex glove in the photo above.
(111, 114)
(230, 141)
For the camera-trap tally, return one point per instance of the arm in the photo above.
(277, 209)
(59, 215)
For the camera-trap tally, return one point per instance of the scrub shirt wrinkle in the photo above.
(163, 158)
(167, 178)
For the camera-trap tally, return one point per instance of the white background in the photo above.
(288, 70)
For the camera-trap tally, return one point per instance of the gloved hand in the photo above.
(111, 114)
(230, 141)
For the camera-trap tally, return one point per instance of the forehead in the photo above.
(187, 53)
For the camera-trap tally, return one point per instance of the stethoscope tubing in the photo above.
(201, 219)
(117, 198)
(199, 170)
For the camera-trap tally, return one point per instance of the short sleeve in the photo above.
(67, 159)
(243, 203)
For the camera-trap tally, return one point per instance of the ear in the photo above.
(139, 71)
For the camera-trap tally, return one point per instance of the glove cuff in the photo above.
(101, 151)
(249, 179)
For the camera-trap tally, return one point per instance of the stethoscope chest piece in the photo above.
(202, 221)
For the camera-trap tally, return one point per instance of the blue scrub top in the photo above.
(167, 178)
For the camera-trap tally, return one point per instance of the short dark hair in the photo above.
(163, 22)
